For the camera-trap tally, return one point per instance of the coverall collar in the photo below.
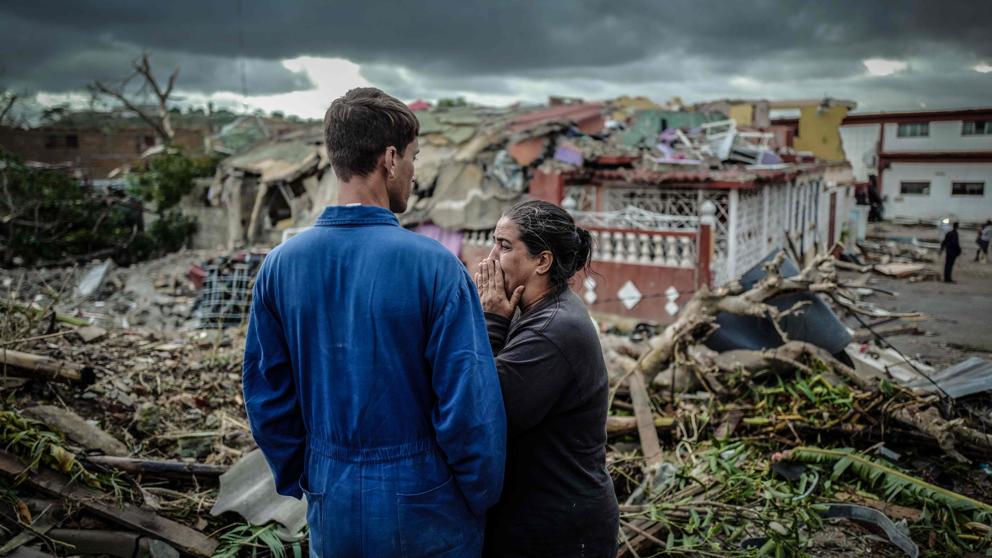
(337, 215)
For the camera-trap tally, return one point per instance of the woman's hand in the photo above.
(492, 292)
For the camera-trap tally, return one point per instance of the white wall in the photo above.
(944, 136)
(859, 141)
(939, 203)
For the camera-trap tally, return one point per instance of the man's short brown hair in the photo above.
(359, 126)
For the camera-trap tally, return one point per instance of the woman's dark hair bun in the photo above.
(545, 226)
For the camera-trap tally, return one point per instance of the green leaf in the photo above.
(839, 468)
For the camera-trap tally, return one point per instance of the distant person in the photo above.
(369, 381)
(558, 498)
(876, 210)
(953, 247)
(984, 237)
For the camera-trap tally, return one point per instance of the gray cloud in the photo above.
(518, 47)
(39, 56)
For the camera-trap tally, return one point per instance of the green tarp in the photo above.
(651, 122)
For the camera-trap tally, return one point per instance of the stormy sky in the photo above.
(296, 56)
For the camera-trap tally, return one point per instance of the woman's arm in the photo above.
(533, 375)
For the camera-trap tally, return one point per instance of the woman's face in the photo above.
(519, 266)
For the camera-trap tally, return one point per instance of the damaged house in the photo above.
(675, 200)
(273, 186)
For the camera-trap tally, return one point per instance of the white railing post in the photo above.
(733, 210)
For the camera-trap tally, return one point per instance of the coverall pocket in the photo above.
(315, 521)
(432, 523)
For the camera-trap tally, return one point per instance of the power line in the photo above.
(244, 61)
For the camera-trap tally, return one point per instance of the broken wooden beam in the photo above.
(650, 446)
(127, 515)
(44, 367)
(76, 429)
(170, 469)
(618, 426)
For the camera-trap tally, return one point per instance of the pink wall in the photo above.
(651, 281)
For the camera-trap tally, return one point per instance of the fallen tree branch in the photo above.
(157, 468)
(43, 367)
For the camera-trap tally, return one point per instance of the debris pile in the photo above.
(902, 258)
(790, 450)
(158, 295)
(114, 436)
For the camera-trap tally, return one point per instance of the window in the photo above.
(976, 128)
(914, 188)
(914, 130)
(72, 141)
(51, 142)
(967, 188)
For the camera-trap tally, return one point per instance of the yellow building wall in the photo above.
(743, 114)
(627, 106)
(819, 132)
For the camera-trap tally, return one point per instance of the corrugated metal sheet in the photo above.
(277, 160)
(968, 377)
(575, 113)
(249, 489)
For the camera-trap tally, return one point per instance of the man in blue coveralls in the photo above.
(369, 380)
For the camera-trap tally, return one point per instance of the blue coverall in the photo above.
(370, 387)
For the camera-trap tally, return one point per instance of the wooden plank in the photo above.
(40, 366)
(41, 525)
(179, 469)
(650, 446)
(617, 426)
(183, 538)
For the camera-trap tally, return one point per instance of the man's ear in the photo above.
(545, 260)
(389, 160)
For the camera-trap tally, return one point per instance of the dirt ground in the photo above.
(959, 315)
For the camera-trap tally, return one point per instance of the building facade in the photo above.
(929, 165)
(658, 237)
(94, 151)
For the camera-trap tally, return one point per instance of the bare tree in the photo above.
(160, 122)
(7, 100)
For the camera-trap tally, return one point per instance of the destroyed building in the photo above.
(641, 187)
(745, 359)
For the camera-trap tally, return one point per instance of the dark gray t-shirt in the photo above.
(558, 496)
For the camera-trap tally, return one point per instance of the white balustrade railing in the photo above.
(477, 238)
(631, 217)
(644, 248)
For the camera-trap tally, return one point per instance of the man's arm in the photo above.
(469, 418)
(271, 401)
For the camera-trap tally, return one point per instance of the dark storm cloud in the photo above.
(461, 45)
(42, 56)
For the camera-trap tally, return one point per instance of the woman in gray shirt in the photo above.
(558, 497)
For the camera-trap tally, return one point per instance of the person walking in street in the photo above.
(369, 381)
(952, 246)
(558, 498)
(984, 237)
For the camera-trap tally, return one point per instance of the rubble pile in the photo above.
(156, 294)
(158, 420)
(136, 440)
(792, 450)
(118, 415)
(906, 258)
